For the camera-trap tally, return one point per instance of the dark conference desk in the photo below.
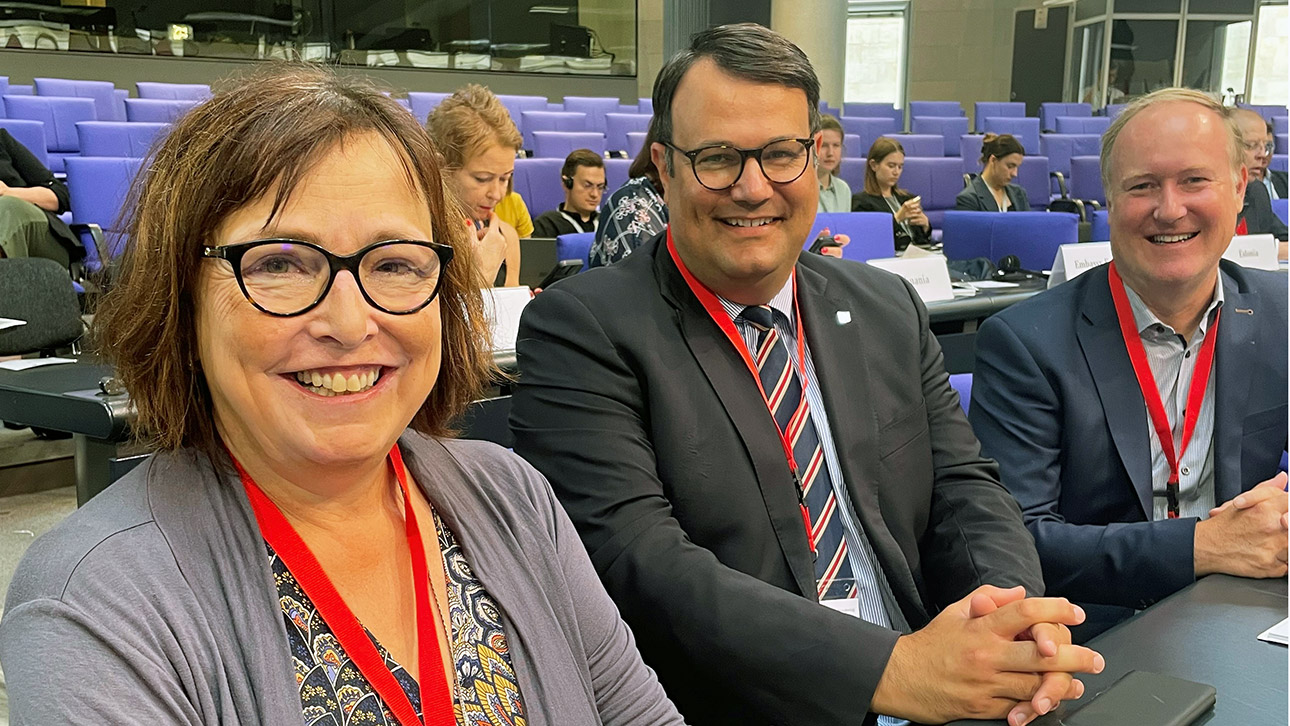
(1208, 633)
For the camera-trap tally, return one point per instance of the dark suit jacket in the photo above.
(19, 168)
(1257, 212)
(1278, 182)
(866, 202)
(1055, 401)
(976, 197)
(656, 439)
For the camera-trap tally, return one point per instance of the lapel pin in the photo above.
(844, 317)
(1245, 311)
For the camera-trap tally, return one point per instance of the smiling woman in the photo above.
(298, 321)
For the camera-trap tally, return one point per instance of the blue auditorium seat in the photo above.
(1048, 113)
(937, 181)
(1279, 209)
(1278, 163)
(1101, 224)
(1268, 111)
(423, 102)
(1059, 148)
(1032, 236)
(550, 121)
(1033, 177)
(871, 233)
(156, 110)
(962, 384)
(875, 110)
(646, 105)
(173, 91)
(98, 188)
(970, 152)
(517, 105)
(1086, 179)
(20, 89)
(538, 181)
(4, 85)
(922, 145)
(558, 144)
(986, 109)
(1082, 124)
(1111, 110)
(851, 171)
(1279, 140)
(616, 173)
(107, 106)
(942, 109)
(950, 129)
(618, 125)
(1025, 129)
(30, 134)
(595, 107)
(1279, 125)
(60, 116)
(118, 138)
(575, 247)
(635, 140)
(868, 129)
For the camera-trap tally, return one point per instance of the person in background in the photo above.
(881, 193)
(513, 211)
(478, 141)
(299, 325)
(634, 214)
(1273, 181)
(583, 177)
(993, 190)
(31, 199)
(835, 194)
(1256, 215)
(1062, 381)
(784, 554)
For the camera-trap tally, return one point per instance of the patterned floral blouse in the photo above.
(334, 693)
(630, 217)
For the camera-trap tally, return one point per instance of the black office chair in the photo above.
(38, 292)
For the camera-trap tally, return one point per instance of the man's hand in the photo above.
(980, 659)
(1246, 536)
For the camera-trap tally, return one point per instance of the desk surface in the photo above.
(1208, 633)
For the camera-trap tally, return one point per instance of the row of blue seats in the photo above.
(1049, 112)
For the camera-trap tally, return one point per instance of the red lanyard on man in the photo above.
(719, 316)
(1151, 393)
(436, 699)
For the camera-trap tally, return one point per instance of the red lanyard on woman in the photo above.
(719, 316)
(1151, 393)
(436, 700)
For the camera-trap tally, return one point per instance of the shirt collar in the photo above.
(782, 303)
(1145, 319)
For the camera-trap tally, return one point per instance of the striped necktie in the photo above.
(833, 575)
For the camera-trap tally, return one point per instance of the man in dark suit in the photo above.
(1060, 391)
(1273, 181)
(1256, 215)
(640, 398)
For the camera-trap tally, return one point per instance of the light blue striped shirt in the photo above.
(875, 605)
(1173, 364)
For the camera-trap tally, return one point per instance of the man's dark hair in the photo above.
(580, 157)
(744, 50)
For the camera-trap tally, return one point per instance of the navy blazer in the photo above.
(1257, 212)
(654, 436)
(976, 197)
(1056, 403)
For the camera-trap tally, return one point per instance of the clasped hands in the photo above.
(1247, 535)
(995, 653)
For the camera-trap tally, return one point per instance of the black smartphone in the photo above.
(1141, 698)
(824, 240)
(562, 269)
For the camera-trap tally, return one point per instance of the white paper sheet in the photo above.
(1279, 633)
(25, 363)
(6, 323)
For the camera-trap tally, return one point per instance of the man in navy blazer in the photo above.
(1057, 402)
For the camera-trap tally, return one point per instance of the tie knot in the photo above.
(761, 317)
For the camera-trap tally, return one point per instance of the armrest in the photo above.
(1061, 183)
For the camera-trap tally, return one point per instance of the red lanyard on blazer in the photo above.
(436, 700)
(719, 316)
(1151, 393)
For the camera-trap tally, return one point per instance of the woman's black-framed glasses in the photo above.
(719, 167)
(287, 277)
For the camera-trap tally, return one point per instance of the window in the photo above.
(875, 65)
(1270, 82)
(1215, 55)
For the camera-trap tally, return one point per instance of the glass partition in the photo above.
(1216, 54)
(1086, 65)
(546, 36)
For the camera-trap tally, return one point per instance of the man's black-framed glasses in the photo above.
(286, 277)
(719, 167)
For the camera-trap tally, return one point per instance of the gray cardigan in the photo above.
(155, 602)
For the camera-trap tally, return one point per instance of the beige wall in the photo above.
(649, 51)
(961, 50)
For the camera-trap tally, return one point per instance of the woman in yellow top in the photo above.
(513, 211)
(478, 142)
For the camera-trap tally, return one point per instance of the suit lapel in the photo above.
(840, 353)
(983, 191)
(1117, 387)
(1236, 342)
(734, 386)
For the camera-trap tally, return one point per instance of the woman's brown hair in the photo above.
(262, 135)
(999, 146)
(883, 147)
(469, 121)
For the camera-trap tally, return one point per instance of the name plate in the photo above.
(929, 275)
(503, 306)
(1072, 260)
(1257, 251)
